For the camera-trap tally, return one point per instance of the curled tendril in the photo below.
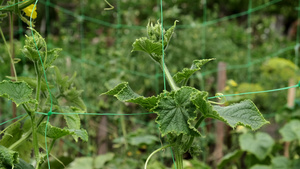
(222, 99)
(111, 7)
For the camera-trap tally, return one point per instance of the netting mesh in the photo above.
(99, 48)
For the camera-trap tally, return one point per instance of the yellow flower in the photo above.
(28, 10)
(232, 83)
(129, 153)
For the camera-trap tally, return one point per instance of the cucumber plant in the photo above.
(38, 101)
(181, 110)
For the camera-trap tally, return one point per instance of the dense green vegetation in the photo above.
(89, 55)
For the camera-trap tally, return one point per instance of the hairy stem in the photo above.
(35, 139)
(33, 120)
(161, 148)
(168, 76)
(178, 158)
(38, 87)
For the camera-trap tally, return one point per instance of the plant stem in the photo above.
(178, 158)
(123, 126)
(169, 76)
(188, 145)
(11, 60)
(34, 138)
(199, 121)
(38, 87)
(161, 148)
(33, 120)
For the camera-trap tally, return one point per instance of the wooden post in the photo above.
(102, 136)
(12, 51)
(290, 104)
(220, 127)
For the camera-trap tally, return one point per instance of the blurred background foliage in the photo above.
(97, 44)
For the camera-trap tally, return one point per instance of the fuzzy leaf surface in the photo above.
(51, 57)
(291, 131)
(55, 132)
(199, 98)
(169, 33)
(72, 120)
(32, 82)
(23, 165)
(244, 113)
(125, 94)
(146, 45)
(176, 112)
(186, 73)
(260, 144)
(8, 157)
(18, 92)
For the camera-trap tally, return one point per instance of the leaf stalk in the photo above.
(168, 76)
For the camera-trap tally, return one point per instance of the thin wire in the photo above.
(163, 58)
(12, 119)
(13, 4)
(95, 114)
(35, 4)
(104, 23)
(162, 43)
(46, 142)
(265, 91)
(298, 37)
(204, 29)
(249, 40)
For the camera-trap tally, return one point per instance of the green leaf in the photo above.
(186, 73)
(31, 53)
(82, 162)
(259, 144)
(73, 120)
(230, 157)
(142, 139)
(259, 166)
(176, 112)
(55, 132)
(281, 162)
(169, 33)
(125, 94)
(8, 157)
(25, 150)
(18, 92)
(199, 98)
(291, 131)
(100, 160)
(296, 164)
(244, 113)
(23, 165)
(73, 96)
(51, 57)
(32, 82)
(11, 135)
(154, 49)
